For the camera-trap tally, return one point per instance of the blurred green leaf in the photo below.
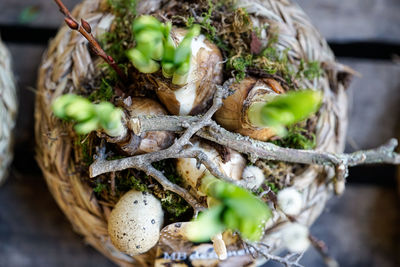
(239, 211)
(88, 116)
(154, 43)
(29, 14)
(287, 109)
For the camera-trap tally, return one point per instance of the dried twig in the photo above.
(291, 259)
(180, 149)
(323, 251)
(269, 151)
(85, 29)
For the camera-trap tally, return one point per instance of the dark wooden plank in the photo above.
(47, 14)
(340, 20)
(345, 20)
(359, 229)
(34, 232)
(374, 104)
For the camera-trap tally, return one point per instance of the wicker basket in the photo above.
(68, 61)
(8, 111)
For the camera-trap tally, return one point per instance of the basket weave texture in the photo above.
(8, 110)
(68, 61)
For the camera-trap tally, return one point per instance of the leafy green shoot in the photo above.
(155, 48)
(285, 110)
(88, 116)
(237, 210)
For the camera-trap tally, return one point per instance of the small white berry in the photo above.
(290, 201)
(295, 238)
(252, 177)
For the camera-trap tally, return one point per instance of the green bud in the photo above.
(59, 105)
(146, 22)
(242, 211)
(292, 107)
(169, 51)
(158, 51)
(284, 110)
(89, 116)
(184, 51)
(110, 118)
(180, 79)
(277, 116)
(80, 109)
(142, 63)
(87, 126)
(168, 69)
(207, 225)
(104, 110)
(167, 30)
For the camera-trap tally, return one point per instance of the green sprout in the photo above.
(285, 110)
(154, 46)
(235, 209)
(89, 116)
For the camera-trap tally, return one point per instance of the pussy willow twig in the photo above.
(85, 29)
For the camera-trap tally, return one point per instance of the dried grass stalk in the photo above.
(68, 61)
(8, 111)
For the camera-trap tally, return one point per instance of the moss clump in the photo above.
(105, 91)
(176, 207)
(171, 202)
(268, 185)
(167, 167)
(297, 138)
(100, 187)
(84, 145)
(130, 182)
(309, 70)
(120, 38)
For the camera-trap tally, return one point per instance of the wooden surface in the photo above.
(341, 20)
(361, 228)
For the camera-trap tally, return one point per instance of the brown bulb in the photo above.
(233, 115)
(205, 72)
(148, 141)
(232, 165)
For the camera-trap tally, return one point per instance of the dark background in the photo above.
(361, 228)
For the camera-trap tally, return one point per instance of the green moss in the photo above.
(310, 70)
(105, 91)
(129, 182)
(174, 205)
(117, 41)
(298, 138)
(100, 187)
(167, 167)
(239, 65)
(83, 141)
(274, 187)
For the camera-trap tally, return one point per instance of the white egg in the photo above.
(134, 224)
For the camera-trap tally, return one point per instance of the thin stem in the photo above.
(85, 29)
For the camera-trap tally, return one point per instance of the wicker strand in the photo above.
(8, 111)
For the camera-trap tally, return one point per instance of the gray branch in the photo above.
(206, 128)
(290, 259)
(257, 149)
(180, 149)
